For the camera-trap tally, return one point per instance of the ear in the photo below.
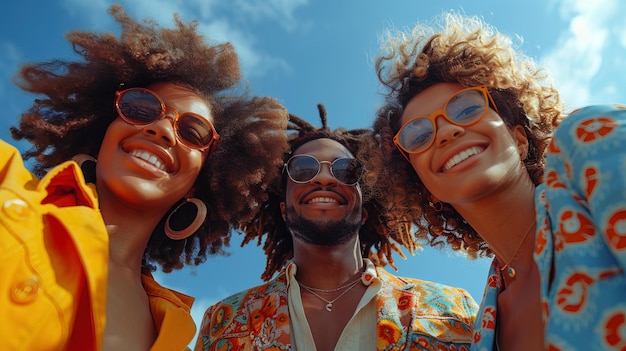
(191, 193)
(282, 210)
(519, 135)
(364, 215)
(432, 198)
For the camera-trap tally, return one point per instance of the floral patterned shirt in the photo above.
(411, 314)
(580, 244)
(581, 240)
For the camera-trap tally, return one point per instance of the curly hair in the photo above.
(467, 51)
(77, 107)
(376, 241)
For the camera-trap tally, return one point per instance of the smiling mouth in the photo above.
(462, 156)
(150, 158)
(322, 200)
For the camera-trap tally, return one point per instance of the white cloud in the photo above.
(275, 10)
(254, 62)
(583, 50)
(94, 12)
(212, 22)
(15, 101)
(10, 58)
(576, 60)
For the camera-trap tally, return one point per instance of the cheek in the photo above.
(191, 164)
(422, 169)
(116, 132)
(420, 164)
(291, 194)
(111, 141)
(197, 159)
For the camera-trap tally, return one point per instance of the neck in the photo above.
(129, 232)
(327, 267)
(504, 221)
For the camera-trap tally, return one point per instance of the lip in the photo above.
(161, 154)
(315, 195)
(470, 146)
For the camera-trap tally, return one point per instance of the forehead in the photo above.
(323, 149)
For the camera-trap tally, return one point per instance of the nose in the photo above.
(446, 131)
(324, 176)
(163, 129)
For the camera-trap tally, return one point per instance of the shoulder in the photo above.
(432, 306)
(11, 163)
(7, 149)
(418, 285)
(429, 296)
(157, 292)
(590, 122)
(277, 285)
(597, 110)
(589, 134)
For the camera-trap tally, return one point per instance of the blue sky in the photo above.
(304, 52)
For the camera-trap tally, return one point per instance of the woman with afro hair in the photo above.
(147, 152)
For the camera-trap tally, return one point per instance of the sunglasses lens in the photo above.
(416, 135)
(347, 170)
(467, 106)
(464, 108)
(139, 106)
(302, 168)
(194, 130)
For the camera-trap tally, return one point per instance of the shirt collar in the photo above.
(368, 276)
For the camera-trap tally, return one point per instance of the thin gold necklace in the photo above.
(329, 303)
(510, 271)
(330, 290)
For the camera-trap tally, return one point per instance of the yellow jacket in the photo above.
(54, 252)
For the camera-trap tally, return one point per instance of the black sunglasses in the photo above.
(303, 168)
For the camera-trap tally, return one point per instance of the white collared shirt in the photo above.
(360, 332)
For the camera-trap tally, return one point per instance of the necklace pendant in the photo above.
(329, 307)
(511, 272)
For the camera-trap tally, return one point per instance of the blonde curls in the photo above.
(468, 51)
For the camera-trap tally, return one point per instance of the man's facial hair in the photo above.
(323, 232)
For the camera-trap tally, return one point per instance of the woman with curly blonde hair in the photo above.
(171, 153)
(467, 151)
(472, 117)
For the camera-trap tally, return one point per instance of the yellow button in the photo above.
(26, 291)
(16, 209)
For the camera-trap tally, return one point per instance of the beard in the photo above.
(324, 232)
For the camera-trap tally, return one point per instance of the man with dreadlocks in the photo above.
(320, 227)
(76, 257)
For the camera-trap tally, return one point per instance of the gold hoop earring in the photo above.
(87, 164)
(185, 219)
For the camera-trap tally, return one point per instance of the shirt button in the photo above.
(25, 292)
(16, 209)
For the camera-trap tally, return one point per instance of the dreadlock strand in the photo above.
(322, 109)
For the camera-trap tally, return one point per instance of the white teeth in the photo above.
(150, 158)
(322, 200)
(461, 156)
